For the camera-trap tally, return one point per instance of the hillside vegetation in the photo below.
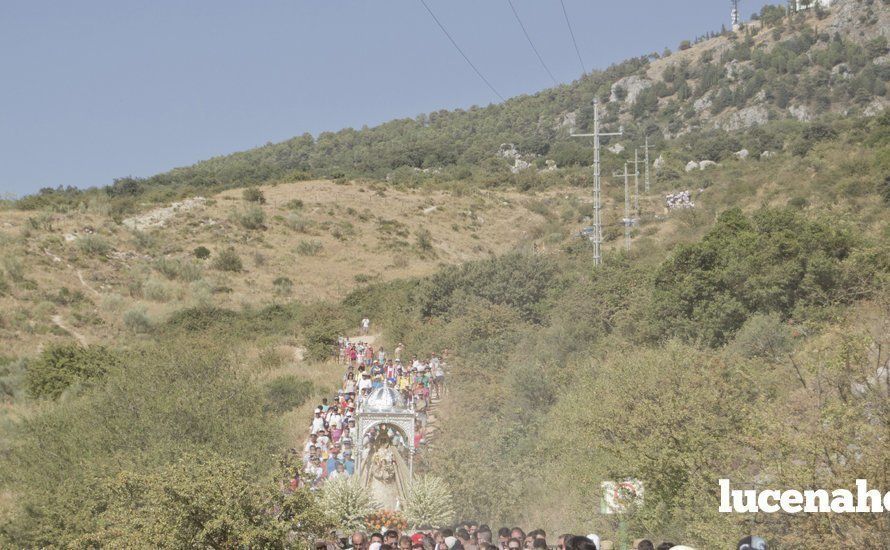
(754, 349)
(801, 67)
(158, 357)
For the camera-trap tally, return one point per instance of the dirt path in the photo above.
(57, 320)
(80, 278)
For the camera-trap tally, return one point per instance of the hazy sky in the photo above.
(97, 89)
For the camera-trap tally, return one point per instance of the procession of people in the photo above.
(332, 445)
(330, 451)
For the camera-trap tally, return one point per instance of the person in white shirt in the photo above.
(314, 471)
(317, 422)
(364, 383)
(312, 442)
(339, 472)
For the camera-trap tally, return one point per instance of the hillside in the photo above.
(165, 341)
(83, 275)
(806, 66)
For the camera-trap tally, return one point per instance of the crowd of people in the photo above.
(330, 449)
(471, 535)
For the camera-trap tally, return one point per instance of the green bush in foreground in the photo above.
(173, 399)
(60, 366)
(204, 501)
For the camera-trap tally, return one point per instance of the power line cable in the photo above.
(467, 59)
(530, 43)
(572, 33)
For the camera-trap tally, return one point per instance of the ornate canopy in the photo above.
(385, 405)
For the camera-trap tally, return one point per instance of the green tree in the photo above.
(59, 366)
(204, 501)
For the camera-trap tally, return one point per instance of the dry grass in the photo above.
(345, 221)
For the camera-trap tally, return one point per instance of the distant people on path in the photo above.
(365, 326)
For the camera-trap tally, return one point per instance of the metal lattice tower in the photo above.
(597, 237)
(628, 221)
(646, 148)
(636, 183)
(734, 15)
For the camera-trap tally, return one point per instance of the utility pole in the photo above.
(627, 220)
(597, 219)
(646, 149)
(636, 182)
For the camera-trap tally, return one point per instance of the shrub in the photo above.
(14, 269)
(59, 366)
(294, 204)
(93, 245)
(295, 222)
(283, 286)
(137, 320)
(203, 501)
(517, 280)
(228, 260)
(321, 325)
(347, 502)
(253, 194)
(201, 252)
(12, 377)
(424, 240)
(285, 393)
(308, 248)
(144, 241)
(764, 336)
(429, 503)
(70, 462)
(774, 262)
(176, 268)
(156, 290)
(251, 217)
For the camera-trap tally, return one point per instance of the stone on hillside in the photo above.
(632, 85)
(681, 199)
(841, 71)
(801, 113)
(549, 166)
(703, 103)
(741, 155)
(767, 155)
(566, 121)
(691, 165)
(658, 164)
(876, 107)
(519, 165)
(616, 148)
(754, 115)
(732, 69)
(706, 164)
(508, 151)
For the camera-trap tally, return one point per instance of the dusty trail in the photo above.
(57, 320)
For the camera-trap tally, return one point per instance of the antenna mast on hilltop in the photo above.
(734, 15)
(597, 237)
